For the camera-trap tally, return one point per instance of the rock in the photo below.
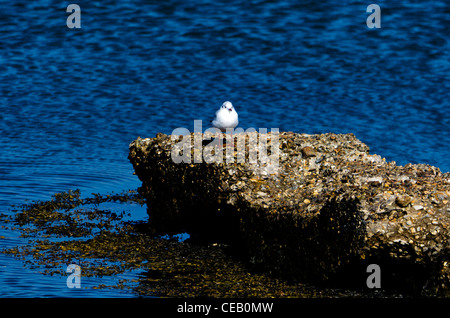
(318, 208)
(403, 200)
(375, 181)
(308, 152)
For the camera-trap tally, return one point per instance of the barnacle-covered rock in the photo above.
(316, 207)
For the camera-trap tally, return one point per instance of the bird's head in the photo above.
(228, 106)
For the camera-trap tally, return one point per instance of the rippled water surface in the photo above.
(73, 99)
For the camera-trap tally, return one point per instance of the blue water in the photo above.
(73, 99)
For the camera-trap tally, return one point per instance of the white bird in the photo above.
(226, 117)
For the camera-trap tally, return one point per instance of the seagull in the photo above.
(226, 117)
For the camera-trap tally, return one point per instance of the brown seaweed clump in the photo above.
(328, 211)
